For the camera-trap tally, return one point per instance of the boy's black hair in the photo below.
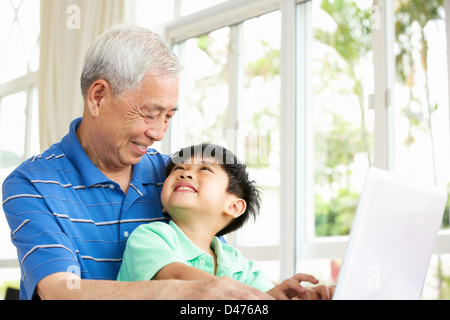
(239, 182)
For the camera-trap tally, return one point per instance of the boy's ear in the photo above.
(236, 207)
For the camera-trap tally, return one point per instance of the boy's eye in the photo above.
(206, 168)
(177, 168)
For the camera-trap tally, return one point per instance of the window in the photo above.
(351, 86)
(19, 62)
(333, 83)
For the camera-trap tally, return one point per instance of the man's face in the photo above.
(133, 121)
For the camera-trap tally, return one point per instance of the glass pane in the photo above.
(421, 93)
(6, 19)
(12, 129)
(29, 21)
(12, 135)
(14, 64)
(19, 45)
(342, 76)
(437, 283)
(203, 106)
(259, 124)
(191, 6)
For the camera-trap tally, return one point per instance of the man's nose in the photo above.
(157, 130)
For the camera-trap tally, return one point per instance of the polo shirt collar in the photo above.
(143, 172)
(75, 153)
(187, 247)
(226, 255)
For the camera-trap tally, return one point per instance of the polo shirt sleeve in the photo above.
(149, 248)
(254, 277)
(243, 270)
(42, 247)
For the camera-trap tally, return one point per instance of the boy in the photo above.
(207, 194)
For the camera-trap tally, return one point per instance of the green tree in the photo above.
(352, 41)
(351, 44)
(412, 17)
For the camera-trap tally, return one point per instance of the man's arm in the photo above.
(68, 286)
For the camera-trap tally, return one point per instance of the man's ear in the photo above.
(97, 95)
(236, 207)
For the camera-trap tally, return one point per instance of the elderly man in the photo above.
(72, 208)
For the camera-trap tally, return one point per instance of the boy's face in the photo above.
(197, 188)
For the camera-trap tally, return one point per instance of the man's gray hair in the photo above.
(123, 55)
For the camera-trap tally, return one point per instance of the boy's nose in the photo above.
(185, 176)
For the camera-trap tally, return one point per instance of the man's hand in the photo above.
(318, 293)
(221, 289)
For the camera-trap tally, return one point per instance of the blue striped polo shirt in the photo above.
(65, 215)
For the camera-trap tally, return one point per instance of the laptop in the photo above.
(391, 240)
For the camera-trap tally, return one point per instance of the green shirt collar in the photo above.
(228, 261)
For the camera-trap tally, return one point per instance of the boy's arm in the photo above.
(181, 271)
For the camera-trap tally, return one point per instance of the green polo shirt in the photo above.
(152, 246)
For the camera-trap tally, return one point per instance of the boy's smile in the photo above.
(184, 187)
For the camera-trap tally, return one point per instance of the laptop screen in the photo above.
(391, 240)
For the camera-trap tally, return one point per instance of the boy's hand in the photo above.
(291, 287)
(318, 293)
